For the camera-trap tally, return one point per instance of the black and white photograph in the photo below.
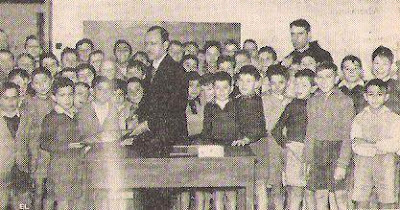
(199, 104)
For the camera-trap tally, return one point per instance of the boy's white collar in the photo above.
(156, 63)
(222, 104)
(70, 113)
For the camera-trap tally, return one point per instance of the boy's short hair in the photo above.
(67, 50)
(135, 63)
(192, 76)
(96, 52)
(164, 33)
(301, 23)
(277, 69)
(122, 41)
(86, 66)
(207, 79)
(212, 43)
(61, 83)
(135, 80)
(175, 42)
(243, 52)
(68, 69)
(8, 85)
(47, 55)
(25, 55)
(29, 38)
(4, 51)
(250, 70)
(383, 86)
(84, 84)
(222, 76)
(232, 42)
(83, 41)
(223, 58)
(99, 79)
(42, 70)
(190, 57)
(251, 41)
(308, 73)
(141, 53)
(326, 65)
(18, 71)
(120, 84)
(351, 58)
(268, 49)
(383, 52)
(191, 43)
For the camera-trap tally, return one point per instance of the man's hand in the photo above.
(241, 142)
(340, 173)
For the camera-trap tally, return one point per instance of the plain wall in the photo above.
(342, 27)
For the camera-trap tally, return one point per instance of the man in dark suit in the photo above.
(163, 108)
(164, 101)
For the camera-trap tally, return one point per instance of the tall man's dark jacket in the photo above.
(164, 103)
(315, 51)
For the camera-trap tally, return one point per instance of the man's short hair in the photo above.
(8, 85)
(18, 72)
(250, 70)
(383, 86)
(61, 82)
(212, 43)
(308, 73)
(301, 23)
(351, 58)
(277, 69)
(207, 79)
(383, 51)
(268, 49)
(122, 41)
(163, 33)
(326, 65)
(83, 41)
(222, 76)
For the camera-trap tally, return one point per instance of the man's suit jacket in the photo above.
(164, 102)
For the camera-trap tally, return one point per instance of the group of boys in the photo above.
(315, 134)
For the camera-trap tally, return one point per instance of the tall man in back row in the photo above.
(164, 104)
(300, 32)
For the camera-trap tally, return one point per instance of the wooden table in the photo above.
(235, 170)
